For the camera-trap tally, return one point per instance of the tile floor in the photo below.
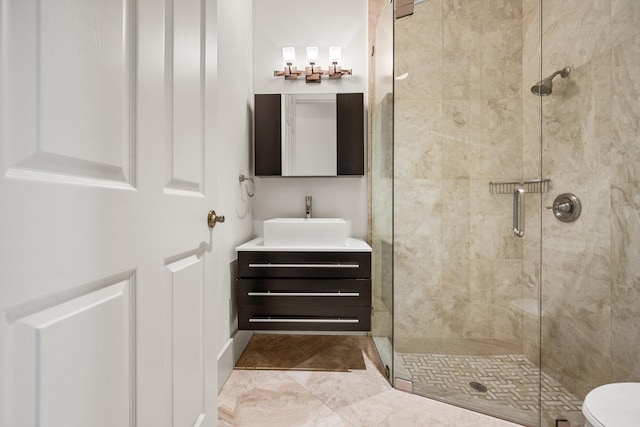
(512, 384)
(254, 397)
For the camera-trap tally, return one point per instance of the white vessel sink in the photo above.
(306, 232)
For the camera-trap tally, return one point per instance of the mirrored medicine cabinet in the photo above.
(309, 135)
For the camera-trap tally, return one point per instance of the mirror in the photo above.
(309, 134)
(309, 137)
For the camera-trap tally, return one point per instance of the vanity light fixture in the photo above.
(290, 72)
(335, 70)
(313, 73)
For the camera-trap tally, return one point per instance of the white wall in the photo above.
(301, 23)
(244, 69)
(233, 145)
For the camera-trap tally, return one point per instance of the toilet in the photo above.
(613, 405)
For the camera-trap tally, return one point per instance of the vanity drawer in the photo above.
(307, 318)
(304, 292)
(304, 264)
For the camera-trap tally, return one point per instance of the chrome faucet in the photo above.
(307, 206)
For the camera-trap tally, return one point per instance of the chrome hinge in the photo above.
(404, 385)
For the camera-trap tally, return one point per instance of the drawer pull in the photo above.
(312, 265)
(303, 294)
(300, 320)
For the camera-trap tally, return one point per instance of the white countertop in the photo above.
(353, 245)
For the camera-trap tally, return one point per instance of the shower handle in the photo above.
(566, 207)
(518, 212)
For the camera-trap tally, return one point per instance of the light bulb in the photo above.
(312, 54)
(335, 52)
(289, 55)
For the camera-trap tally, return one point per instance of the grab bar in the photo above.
(518, 212)
(317, 265)
(303, 294)
(300, 320)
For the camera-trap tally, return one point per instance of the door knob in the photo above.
(212, 219)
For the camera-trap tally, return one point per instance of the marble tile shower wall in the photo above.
(458, 126)
(591, 147)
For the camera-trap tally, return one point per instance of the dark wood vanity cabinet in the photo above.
(304, 291)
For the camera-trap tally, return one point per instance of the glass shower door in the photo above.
(521, 328)
(381, 151)
(466, 290)
(591, 148)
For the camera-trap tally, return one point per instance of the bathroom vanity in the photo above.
(304, 288)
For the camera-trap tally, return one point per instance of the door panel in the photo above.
(103, 232)
(97, 374)
(84, 105)
(71, 105)
(187, 79)
(186, 277)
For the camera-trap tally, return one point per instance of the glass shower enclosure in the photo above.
(492, 302)
(381, 185)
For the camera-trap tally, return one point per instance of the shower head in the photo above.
(545, 86)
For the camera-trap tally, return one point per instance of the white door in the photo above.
(105, 274)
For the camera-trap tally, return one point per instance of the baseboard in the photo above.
(240, 341)
(230, 354)
(354, 333)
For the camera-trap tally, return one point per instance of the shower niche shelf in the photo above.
(531, 186)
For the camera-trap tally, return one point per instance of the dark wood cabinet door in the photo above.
(350, 112)
(268, 131)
